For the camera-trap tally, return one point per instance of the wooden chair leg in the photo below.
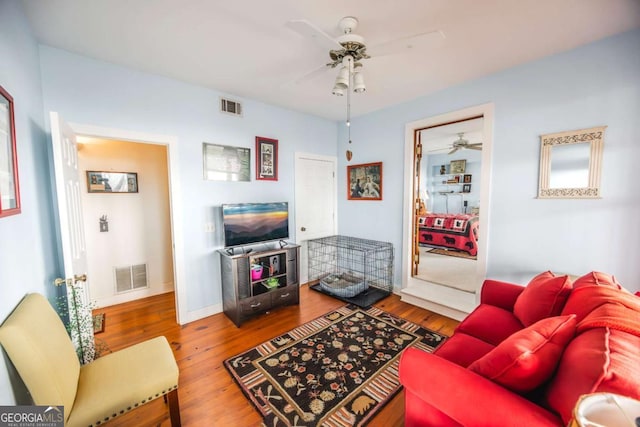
(174, 409)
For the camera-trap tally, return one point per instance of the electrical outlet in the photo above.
(209, 227)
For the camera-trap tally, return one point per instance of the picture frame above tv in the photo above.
(247, 224)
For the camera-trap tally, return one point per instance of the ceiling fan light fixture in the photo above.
(338, 91)
(342, 79)
(358, 81)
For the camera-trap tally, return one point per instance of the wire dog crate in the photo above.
(355, 270)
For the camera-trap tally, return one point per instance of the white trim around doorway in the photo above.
(175, 199)
(443, 300)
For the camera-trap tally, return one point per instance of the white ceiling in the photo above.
(243, 48)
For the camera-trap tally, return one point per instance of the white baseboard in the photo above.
(203, 312)
(133, 295)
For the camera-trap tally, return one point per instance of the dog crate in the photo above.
(355, 270)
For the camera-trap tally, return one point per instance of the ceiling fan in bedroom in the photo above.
(463, 144)
(347, 52)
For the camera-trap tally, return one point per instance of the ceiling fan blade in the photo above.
(307, 76)
(476, 147)
(308, 30)
(454, 150)
(407, 44)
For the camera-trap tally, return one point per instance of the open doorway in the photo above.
(449, 162)
(170, 145)
(127, 227)
(436, 157)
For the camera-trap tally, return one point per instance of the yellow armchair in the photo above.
(38, 345)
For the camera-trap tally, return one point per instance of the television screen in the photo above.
(248, 223)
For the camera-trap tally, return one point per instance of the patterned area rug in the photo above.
(457, 254)
(337, 370)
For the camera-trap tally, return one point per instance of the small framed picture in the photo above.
(467, 178)
(466, 188)
(112, 182)
(457, 166)
(9, 186)
(364, 182)
(266, 159)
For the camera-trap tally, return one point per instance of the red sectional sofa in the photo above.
(525, 355)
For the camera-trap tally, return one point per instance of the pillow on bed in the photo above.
(544, 296)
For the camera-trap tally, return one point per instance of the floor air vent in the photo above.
(231, 107)
(131, 278)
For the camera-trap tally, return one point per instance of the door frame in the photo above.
(441, 299)
(175, 199)
(334, 161)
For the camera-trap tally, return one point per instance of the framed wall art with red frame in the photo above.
(9, 185)
(266, 159)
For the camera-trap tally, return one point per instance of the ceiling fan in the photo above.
(350, 44)
(463, 144)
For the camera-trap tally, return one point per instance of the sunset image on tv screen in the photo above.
(249, 223)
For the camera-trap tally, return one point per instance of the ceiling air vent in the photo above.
(231, 107)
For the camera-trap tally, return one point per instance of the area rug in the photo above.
(457, 254)
(337, 370)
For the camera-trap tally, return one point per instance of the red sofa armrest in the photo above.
(500, 294)
(465, 396)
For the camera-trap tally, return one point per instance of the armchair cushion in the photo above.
(37, 343)
(148, 369)
(544, 296)
(528, 358)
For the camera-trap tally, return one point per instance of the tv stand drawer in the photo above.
(257, 304)
(285, 296)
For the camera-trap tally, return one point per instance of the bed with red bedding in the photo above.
(453, 231)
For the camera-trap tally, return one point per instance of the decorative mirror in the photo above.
(571, 163)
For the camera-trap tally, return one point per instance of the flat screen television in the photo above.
(250, 223)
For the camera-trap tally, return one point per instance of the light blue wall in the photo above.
(28, 248)
(594, 85)
(87, 91)
(432, 181)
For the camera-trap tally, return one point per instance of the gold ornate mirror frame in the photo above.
(595, 138)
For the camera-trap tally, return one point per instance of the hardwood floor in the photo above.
(208, 394)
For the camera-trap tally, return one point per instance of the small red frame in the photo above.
(266, 159)
(9, 184)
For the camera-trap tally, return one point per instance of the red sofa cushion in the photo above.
(544, 296)
(597, 360)
(528, 358)
(462, 396)
(490, 324)
(595, 278)
(463, 349)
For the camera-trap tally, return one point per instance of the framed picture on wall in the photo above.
(226, 163)
(364, 181)
(9, 186)
(266, 159)
(457, 166)
(466, 188)
(467, 178)
(112, 182)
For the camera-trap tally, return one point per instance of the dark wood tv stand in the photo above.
(243, 296)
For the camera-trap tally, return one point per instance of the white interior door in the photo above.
(316, 200)
(65, 160)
